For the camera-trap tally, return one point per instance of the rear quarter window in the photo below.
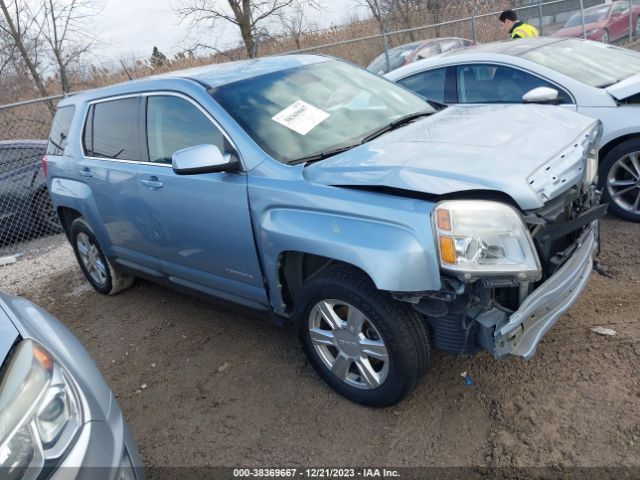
(60, 130)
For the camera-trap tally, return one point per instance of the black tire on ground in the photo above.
(619, 164)
(44, 213)
(403, 333)
(604, 38)
(112, 281)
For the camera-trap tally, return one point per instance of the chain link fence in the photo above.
(476, 21)
(25, 209)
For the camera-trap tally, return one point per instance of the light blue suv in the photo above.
(314, 191)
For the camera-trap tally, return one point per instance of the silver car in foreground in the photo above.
(598, 80)
(58, 417)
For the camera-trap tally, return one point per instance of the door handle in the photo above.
(86, 172)
(152, 182)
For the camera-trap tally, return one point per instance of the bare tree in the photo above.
(295, 23)
(63, 24)
(250, 16)
(18, 29)
(406, 10)
(381, 11)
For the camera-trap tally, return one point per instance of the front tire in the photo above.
(604, 38)
(94, 264)
(368, 347)
(619, 178)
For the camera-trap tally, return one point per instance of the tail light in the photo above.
(44, 166)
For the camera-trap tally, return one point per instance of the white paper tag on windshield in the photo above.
(301, 117)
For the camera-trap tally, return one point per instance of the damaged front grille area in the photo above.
(556, 230)
(556, 227)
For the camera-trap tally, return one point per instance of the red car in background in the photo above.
(604, 23)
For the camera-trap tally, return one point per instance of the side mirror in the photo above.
(541, 95)
(202, 159)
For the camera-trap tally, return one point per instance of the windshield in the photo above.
(306, 110)
(397, 57)
(592, 63)
(591, 15)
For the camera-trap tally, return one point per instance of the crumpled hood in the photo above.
(530, 152)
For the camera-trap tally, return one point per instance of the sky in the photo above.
(131, 28)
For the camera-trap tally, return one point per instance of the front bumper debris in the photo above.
(520, 335)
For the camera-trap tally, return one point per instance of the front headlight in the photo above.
(484, 238)
(39, 412)
(590, 145)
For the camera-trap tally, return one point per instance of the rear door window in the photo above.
(60, 130)
(112, 129)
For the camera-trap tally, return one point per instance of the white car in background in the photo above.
(597, 80)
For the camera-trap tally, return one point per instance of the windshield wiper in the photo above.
(437, 105)
(397, 123)
(322, 155)
(334, 151)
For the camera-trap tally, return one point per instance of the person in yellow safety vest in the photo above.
(515, 27)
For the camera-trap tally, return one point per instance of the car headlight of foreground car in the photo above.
(40, 412)
(590, 146)
(484, 238)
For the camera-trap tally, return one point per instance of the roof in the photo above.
(211, 76)
(229, 72)
(596, 8)
(508, 47)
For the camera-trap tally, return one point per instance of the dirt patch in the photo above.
(224, 387)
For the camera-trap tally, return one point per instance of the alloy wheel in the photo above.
(348, 344)
(91, 259)
(623, 183)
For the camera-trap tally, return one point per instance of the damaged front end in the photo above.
(508, 275)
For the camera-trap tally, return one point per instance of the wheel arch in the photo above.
(613, 143)
(398, 254)
(67, 216)
(296, 267)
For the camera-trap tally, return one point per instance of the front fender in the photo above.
(396, 257)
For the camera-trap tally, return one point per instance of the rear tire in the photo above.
(367, 346)
(619, 178)
(94, 264)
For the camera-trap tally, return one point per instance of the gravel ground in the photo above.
(223, 387)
